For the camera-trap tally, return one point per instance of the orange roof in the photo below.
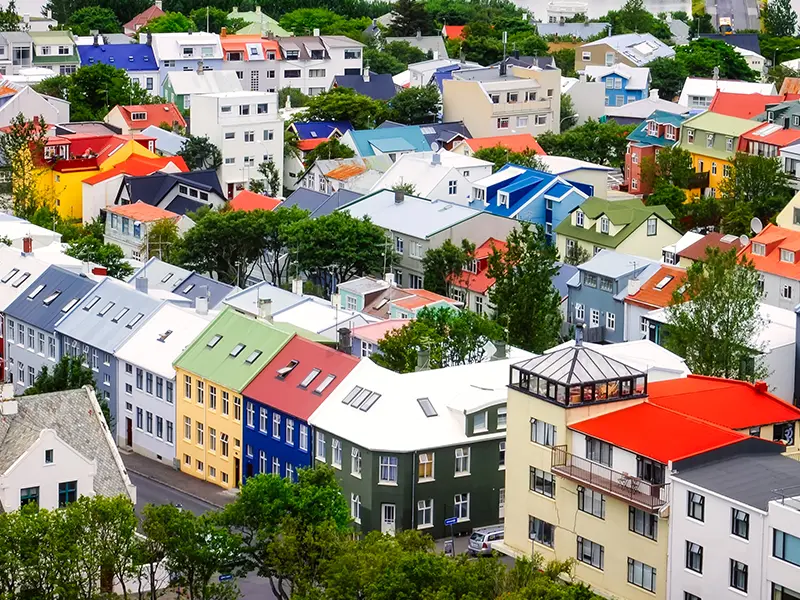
(310, 144)
(375, 332)
(480, 282)
(515, 143)
(5, 90)
(141, 211)
(774, 238)
(236, 43)
(418, 298)
(247, 201)
(156, 114)
(744, 106)
(769, 133)
(137, 165)
(454, 31)
(724, 402)
(790, 85)
(651, 296)
(143, 18)
(346, 172)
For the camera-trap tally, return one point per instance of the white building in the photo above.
(147, 379)
(579, 171)
(128, 226)
(588, 97)
(247, 129)
(754, 60)
(181, 86)
(32, 105)
(311, 62)
(698, 92)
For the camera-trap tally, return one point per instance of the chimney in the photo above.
(500, 350)
(653, 94)
(27, 245)
(316, 31)
(582, 77)
(515, 53)
(223, 31)
(86, 268)
(419, 35)
(503, 68)
(399, 196)
(366, 73)
(579, 334)
(389, 278)
(297, 286)
(435, 55)
(634, 285)
(423, 360)
(436, 158)
(160, 5)
(199, 67)
(235, 10)
(335, 300)
(49, 14)
(26, 18)
(141, 284)
(149, 39)
(100, 271)
(96, 42)
(345, 341)
(761, 387)
(265, 309)
(201, 302)
(258, 9)
(8, 407)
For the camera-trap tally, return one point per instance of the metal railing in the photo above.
(631, 489)
(788, 496)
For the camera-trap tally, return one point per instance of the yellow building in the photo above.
(789, 217)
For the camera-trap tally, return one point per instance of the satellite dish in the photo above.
(755, 225)
(435, 146)
(744, 240)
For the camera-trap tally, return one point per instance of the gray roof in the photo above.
(166, 142)
(582, 31)
(108, 331)
(17, 37)
(194, 285)
(614, 264)
(246, 301)
(76, 418)
(160, 275)
(577, 364)
(426, 43)
(364, 285)
(641, 109)
(639, 48)
(750, 478)
(319, 204)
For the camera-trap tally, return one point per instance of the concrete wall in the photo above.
(588, 102)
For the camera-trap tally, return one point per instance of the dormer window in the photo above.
(502, 199)
(139, 116)
(214, 341)
(787, 256)
(292, 54)
(188, 52)
(284, 371)
(729, 144)
(471, 266)
(604, 225)
(770, 116)
(652, 128)
(690, 136)
(709, 140)
(309, 378)
(479, 194)
(578, 218)
(237, 349)
(758, 249)
(669, 132)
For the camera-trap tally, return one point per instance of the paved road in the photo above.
(744, 12)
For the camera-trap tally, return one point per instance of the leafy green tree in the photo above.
(671, 165)
(410, 16)
(90, 249)
(162, 240)
(633, 17)
(778, 49)
(57, 86)
(93, 90)
(567, 113)
(295, 96)
(9, 17)
(671, 196)
(84, 20)
(276, 225)
(330, 149)
(200, 153)
(304, 21)
(702, 55)
(270, 182)
(780, 19)
(713, 323)
(124, 10)
(452, 337)
(345, 104)
(565, 60)
(780, 72)
(500, 155)
(756, 187)
(526, 302)
(577, 255)
(483, 50)
(379, 61)
(170, 22)
(405, 52)
(22, 149)
(442, 263)
(415, 105)
(701, 23)
(600, 143)
(668, 76)
(215, 18)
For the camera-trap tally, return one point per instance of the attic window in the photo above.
(166, 278)
(427, 407)
(664, 281)
(163, 337)
(106, 308)
(214, 341)
(237, 349)
(130, 58)
(381, 304)
(135, 320)
(313, 134)
(373, 398)
(787, 256)
(309, 378)
(427, 130)
(253, 357)
(69, 306)
(325, 383)
(759, 249)
(353, 393)
(139, 116)
(8, 277)
(284, 371)
(22, 279)
(35, 292)
(91, 303)
(49, 300)
(121, 314)
(362, 398)
(188, 288)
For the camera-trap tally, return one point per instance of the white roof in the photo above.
(747, 53)
(637, 76)
(10, 259)
(402, 79)
(191, 82)
(640, 48)
(793, 64)
(706, 88)
(54, 255)
(558, 165)
(419, 170)
(145, 347)
(396, 422)
(15, 229)
(500, 176)
(169, 46)
(319, 316)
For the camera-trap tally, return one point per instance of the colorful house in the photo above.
(136, 118)
(661, 129)
(472, 286)
(623, 84)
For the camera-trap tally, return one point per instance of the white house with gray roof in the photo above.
(310, 63)
(632, 49)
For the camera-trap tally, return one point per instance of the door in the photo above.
(249, 469)
(235, 472)
(128, 432)
(387, 518)
(502, 504)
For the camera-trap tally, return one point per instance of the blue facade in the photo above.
(264, 452)
(137, 60)
(619, 90)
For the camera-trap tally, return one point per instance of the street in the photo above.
(744, 12)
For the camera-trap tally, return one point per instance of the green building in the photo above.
(55, 50)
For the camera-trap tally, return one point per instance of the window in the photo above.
(543, 433)
(594, 318)
(501, 417)
(212, 439)
(696, 506)
(690, 136)
(599, 452)
(694, 557)
(244, 109)
(139, 418)
(590, 280)
(291, 73)
(48, 457)
(758, 249)
(351, 54)
(586, 56)
(187, 428)
(502, 123)
(170, 392)
(542, 482)
(709, 140)
(336, 453)
(29, 496)
(200, 433)
(262, 109)
(461, 507)
(606, 284)
(303, 438)
(149, 422)
(355, 461)
(425, 468)
(512, 97)
(388, 469)
(495, 98)
(643, 523)
(785, 547)
(452, 187)
(309, 378)
(160, 428)
(603, 224)
(462, 461)
(787, 256)
(269, 135)
(249, 136)
(40, 347)
(355, 507)
(652, 226)
(522, 121)
(67, 493)
(320, 446)
(590, 553)
(611, 321)
(740, 523)
(541, 119)
(649, 470)
(541, 532)
(479, 422)
(224, 443)
(641, 575)
(31, 375)
(237, 408)
(276, 425)
(425, 513)
(739, 575)
(580, 312)
(592, 502)
(726, 170)
(398, 245)
(713, 168)
(502, 455)
(263, 416)
(290, 431)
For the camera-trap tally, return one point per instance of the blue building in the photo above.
(277, 437)
(529, 195)
(137, 60)
(623, 84)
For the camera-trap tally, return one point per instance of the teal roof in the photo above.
(390, 139)
(640, 135)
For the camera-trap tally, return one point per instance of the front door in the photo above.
(128, 432)
(249, 469)
(235, 472)
(387, 518)
(502, 507)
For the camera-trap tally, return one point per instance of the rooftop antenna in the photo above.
(503, 66)
(207, 20)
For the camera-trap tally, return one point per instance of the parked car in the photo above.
(480, 542)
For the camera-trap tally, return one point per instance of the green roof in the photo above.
(258, 24)
(43, 38)
(628, 214)
(56, 60)
(216, 364)
(304, 333)
(716, 123)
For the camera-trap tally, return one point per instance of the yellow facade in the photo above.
(612, 532)
(211, 415)
(788, 218)
(716, 168)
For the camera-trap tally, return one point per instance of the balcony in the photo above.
(522, 108)
(626, 487)
(699, 180)
(597, 335)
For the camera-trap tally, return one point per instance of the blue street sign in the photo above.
(227, 577)
(451, 521)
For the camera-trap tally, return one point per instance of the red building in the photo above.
(659, 130)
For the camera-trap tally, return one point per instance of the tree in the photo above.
(599, 143)
(713, 322)
(332, 148)
(441, 264)
(405, 187)
(93, 90)
(415, 105)
(780, 72)
(500, 155)
(9, 17)
(410, 16)
(701, 23)
(483, 50)
(565, 60)
(526, 302)
(85, 19)
(702, 55)
(200, 153)
(295, 96)
(92, 250)
(450, 336)
(345, 104)
(671, 165)
(668, 76)
(169, 22)
(214, 19)
(757, 186)
(22, 150)
(276, 225)
(162, 240)
(577, 255)
(780, 19)
(338, 247)
(270, 182)
(381, 62)
(404, 52)
(567, 112)
(633, 17)
(57, 86)
(671, 196)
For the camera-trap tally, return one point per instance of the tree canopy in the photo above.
(90, 249)
(442, 263)
(415, 105)
(85, 19)
(599, 143)
(170, 22)
(779, 18)
(702, 55)
(200, 153)
(345, 104)
(500, 155)
(327, 150)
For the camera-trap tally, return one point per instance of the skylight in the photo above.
(427, 407)
(35, 292)
(253, 357)
(69, 305)
(91, 303)
(664, 281)
(135, 320)
(309, 378)
(359, 400)
(284, 371)
(381, 304)
(188, 288)
(120, 314)
(106, 308)
(10, 274)
(165, 335)
(237, 349)
(353, 393)
(214, 341)
(20, 280)
(166, 278)
(373, 398)
(325, 383)
(49, 300)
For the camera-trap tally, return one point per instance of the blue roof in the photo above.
(558, 190)
(662, 117)
(379, 87)
(320, 129)
(30, 306)
(193, 286)
(130, 57)
(402, 138)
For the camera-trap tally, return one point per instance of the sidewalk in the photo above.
(176, 480)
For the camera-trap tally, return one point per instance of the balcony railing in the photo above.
(512, 108)
(631, 489)
(597, 335)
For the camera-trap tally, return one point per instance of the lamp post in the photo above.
(575, 116)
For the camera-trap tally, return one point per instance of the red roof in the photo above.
(769, 133)
(156, 115)
(285, 394)
(744, 106)
(237, 43)
(515, 143)
(247, 201)
(454, 31)
(724, 402)
(138, 166)
(418, 298)
(375, 332)
(310, 144)
(143, 18)
(774, 239)
(697, 251)
(657, 432)
(480, 282)
(651, 296)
